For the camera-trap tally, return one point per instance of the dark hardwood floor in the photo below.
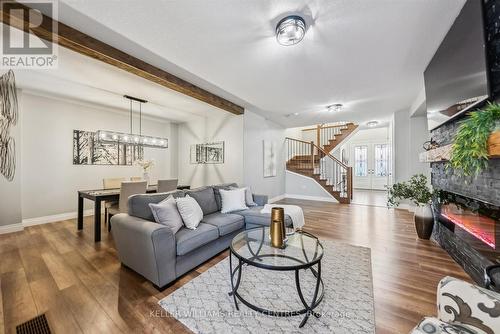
(83, 288)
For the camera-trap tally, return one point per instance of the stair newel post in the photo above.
(318, 135)
(312, 156)
(349, 182)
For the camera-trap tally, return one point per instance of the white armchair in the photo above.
(463, 308)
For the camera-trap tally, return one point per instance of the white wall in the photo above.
(401, 146)
(258, 129)
(409, 135)
(300, 186)
(10, 191)
(419, 134)
(49, 179)
(216, 126)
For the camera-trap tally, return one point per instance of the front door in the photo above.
(371, 165)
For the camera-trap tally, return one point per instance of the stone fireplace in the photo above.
(467, 218)
(469, 230)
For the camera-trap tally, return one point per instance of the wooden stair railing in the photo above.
(308, 159)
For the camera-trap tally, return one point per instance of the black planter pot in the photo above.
(424, 222)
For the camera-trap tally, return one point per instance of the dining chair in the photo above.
(136, 178)
(128, 188)
(110, 183)
(167, 185)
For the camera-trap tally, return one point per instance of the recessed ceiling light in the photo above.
(290, 30)
(371, 124)
(334, 107)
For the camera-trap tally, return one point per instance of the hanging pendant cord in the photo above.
(130, 117)
(140, 119)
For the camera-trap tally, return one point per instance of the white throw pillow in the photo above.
(232, 200)
(190, 211)
(248, 196)
(166, 213)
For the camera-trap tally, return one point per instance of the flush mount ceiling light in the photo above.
(371, 124)
(290, 30)
(334, 107)
(113, 137)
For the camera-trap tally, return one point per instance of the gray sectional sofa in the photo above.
(153, 251)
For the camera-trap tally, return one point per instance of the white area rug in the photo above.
(204, 306)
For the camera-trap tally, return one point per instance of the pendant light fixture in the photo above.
(113, 137)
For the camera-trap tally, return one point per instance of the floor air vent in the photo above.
(37, 325)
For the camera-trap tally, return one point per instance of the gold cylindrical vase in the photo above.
(277, 228)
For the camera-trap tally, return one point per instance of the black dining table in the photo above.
(99, 195)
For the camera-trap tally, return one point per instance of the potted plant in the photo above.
(469, 155)
(418, 191)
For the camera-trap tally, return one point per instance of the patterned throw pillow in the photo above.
(190, 211)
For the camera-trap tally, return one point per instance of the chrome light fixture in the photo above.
(372, 124)
(334, 107)
(113, 137)
(290, 30)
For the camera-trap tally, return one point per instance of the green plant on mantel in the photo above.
(469, 154)
(416, 189)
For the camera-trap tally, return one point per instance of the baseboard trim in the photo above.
(312, 198)
(276, 198)
(11, 228)
(54, 218)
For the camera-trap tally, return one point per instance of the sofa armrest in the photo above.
(468, 305)
(260, 200)
(146, 247)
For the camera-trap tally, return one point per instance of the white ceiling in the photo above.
(367, 54)
(86, 80)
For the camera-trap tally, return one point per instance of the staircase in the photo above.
(315, 161)
(330, 136)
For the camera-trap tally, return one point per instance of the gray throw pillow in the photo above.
(205, 198)
(166, 213)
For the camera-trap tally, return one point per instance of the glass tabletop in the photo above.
(254, 247)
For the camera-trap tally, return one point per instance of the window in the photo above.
(361, 160)
(381, 160)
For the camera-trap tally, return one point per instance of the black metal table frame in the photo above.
(308, 308)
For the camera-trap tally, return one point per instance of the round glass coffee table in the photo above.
(303, 251)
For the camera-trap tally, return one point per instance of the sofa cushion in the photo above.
(205, 198)
(225, 222)
(188, 240)
(254, 217)
(138, 205)
(225, 186)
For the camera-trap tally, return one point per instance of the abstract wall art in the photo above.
(208, 153)
(9, 115)
(270, 163)
(88, 150)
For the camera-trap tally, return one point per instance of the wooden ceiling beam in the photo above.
(86, 45)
